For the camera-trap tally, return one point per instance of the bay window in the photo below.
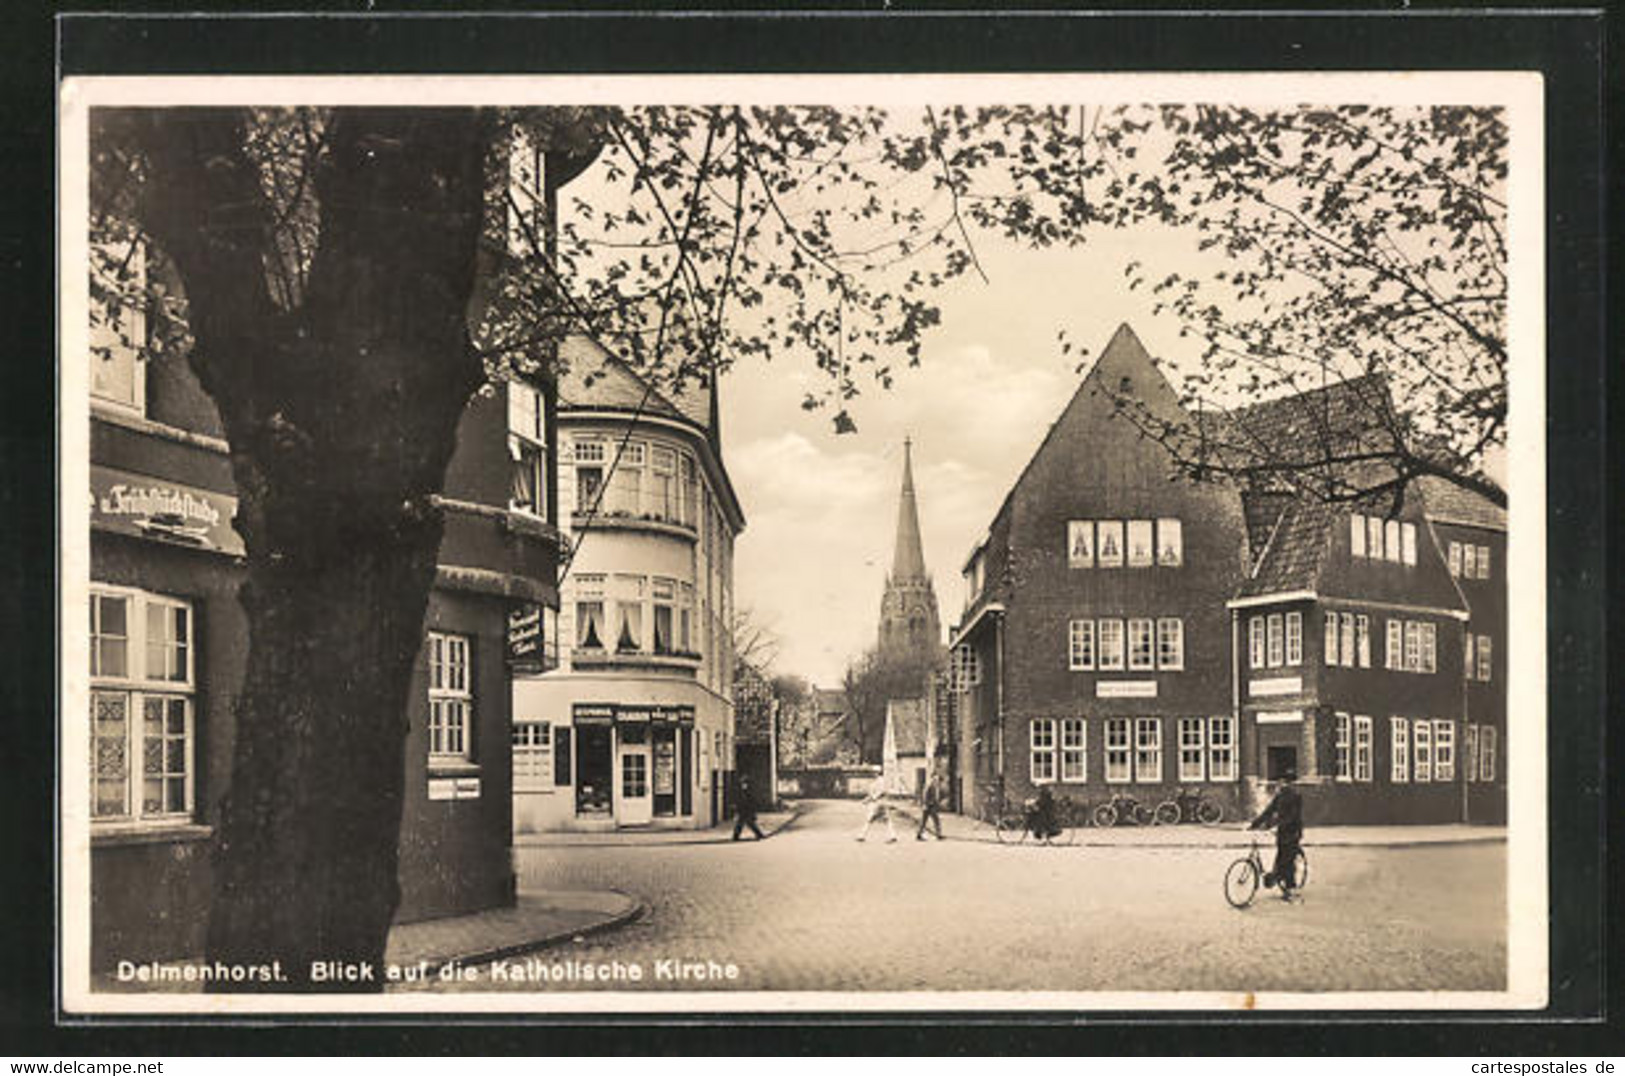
(664, 592)
(589, 465)
(663, 483)
(590, 629)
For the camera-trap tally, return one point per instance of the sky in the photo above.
(821, 508)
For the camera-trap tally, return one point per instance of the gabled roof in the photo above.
(908, 720)
(1303, 427)
(1291, 557)
(1446, 502)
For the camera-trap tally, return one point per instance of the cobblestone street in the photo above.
(811, 909)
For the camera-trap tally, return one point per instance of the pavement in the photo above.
(770, 823)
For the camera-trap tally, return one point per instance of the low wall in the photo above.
(827, 782)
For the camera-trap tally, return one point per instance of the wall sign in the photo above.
(587, 713)
(1125, 689)
(1275, 685)
(454, 788)
(1278, 717)
(129, 503)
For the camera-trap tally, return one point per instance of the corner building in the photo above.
(635, 728)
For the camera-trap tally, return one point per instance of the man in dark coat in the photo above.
(930, 808)
(1285, 813)
(745, 810)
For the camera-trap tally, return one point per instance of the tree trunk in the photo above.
(342, 416)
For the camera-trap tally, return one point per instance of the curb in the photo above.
(502, 952)
(676, 842)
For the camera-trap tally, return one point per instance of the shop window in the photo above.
(1191, 739)
(1399, 750)
(1444, 750)
(527, 449)
(1170, 643)
(1340, 764)
(1118, 753)
(1141, 656)
(1170, 543)
(451, 700)
(1110, 645)
(1362, 748)
(1221, 749)
(1140, 549)
(1148, 750)
(1041, 740)
(1294, 638)
(1074, 749)
(1080, 543)
(142, 732)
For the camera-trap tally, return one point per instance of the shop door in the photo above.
(634, 806)
(593, 763)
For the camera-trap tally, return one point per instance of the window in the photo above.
(451, 702)
(1362, 640)
(966, 669)
(1429, 647)
(1081, 644)
(527, 449)
(1486, 753)
(1080, 543)
(634, 776)
(1111, 644)
(589, 465)
(1469, 562)
(1483, 642)
(141, 707)
(1275, 637)
(1140, 653)
(118, 324)
(1140, 548)
(1407, 535)
(1170, 643)
(1041, 738)
(1341, 758)
(1469, 746)
(1413, 646)
(1362, 748)
(1467, 656)
(1390, 540)
(1422, 734)
(685, 618)
(1294, 638)
(664, 593)
(1444, 750)
(626, 480)
(1190, 748)
(1221, 749)
(1255, 642)
(1396, 652)
(629, 613)
(1373, 537)
(590, 611)
(533, 754)
(1109, 543)
(1345, 649)
(1483, 562)
(1148, 749)
(1074, 749)
(1399, 750)
(1117, 750)
(1329, 643)
(1170, 543)
(1357, 535)
(663, 483)
(1455, 558)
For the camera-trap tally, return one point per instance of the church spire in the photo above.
(908, 562)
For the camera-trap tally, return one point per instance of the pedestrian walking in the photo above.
(930, 808)
(1285, 813)
(876, 807)
(745, 810)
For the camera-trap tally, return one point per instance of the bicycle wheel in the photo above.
(1167, 813)
(1300, 870)
(1105, 816)
(1065, 833)
(1144, 815)
(1240, 883)
(1012, 829)
(1210, 813)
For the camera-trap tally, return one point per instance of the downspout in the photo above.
(998, 695)
(1235, 697)
(1461, 742)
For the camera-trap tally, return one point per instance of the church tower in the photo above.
(909, 623)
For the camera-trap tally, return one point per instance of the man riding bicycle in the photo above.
(1285, 813)
(1041, 815)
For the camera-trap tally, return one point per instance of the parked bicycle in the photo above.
(1188, 805)
(1123, 808)
(1242, 878)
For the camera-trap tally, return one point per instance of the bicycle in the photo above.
(1242, 877)
(1188, 805)
(1008, 825)
(1063, 830)
(1123, 808)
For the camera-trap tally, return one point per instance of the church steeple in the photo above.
(908, 560)
(910, 626)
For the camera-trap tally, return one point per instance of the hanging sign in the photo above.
(147, 507)
(525, 634)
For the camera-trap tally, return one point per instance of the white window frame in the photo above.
(1192, 748)
(137, 685)
(533, 756)
(1407, 535)
(1422, 740)
(527, 445)
(1483, 562)
(1469, 561)
(1348, 651)
(1142, 644)
(1469, 753)
(1081, 645)
(124, 330)
(450, 731)
(1043, 765)
(1113, 528)
(1429, 647)
(1399, 751)
(1140, 548)
(1148, 750)
(1080, 543)
(1357, 535)
(1390, 541)
(1221, 748)
(1486, 753)
(1275, 639)
(1362, 748)
(1170, 537)
(1362, 640)
(1294, 638)
(1329, 637)
(1342, 768)
(1255, 642)
(589, 454)
(1482, 665)
(1074, 750)
(1455, 559)
(1394, 656)
(1119, 750)
(1373, 537)
(1444, 750)
(1110, 658)
(1170, 643)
